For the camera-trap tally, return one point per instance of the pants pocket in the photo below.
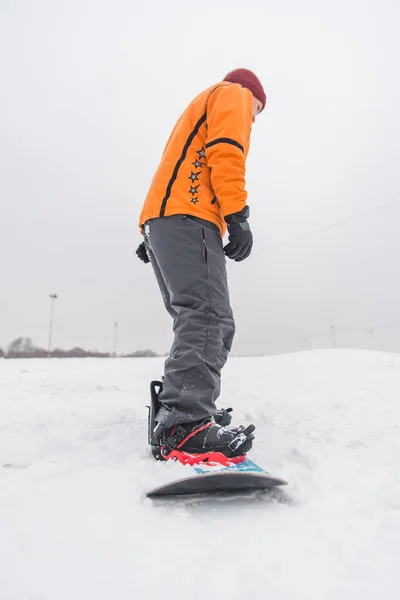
(204, 246)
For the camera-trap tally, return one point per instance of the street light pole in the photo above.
(115, 338)
(333, 336)
(53, 298)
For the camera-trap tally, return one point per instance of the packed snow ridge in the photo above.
(74, 521)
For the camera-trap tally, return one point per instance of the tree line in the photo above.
(23, 347)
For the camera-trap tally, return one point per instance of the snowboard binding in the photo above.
(175, 443)
(156, 388)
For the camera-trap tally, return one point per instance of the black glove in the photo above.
(240, 236)
(142, 253)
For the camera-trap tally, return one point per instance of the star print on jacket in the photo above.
(201, 153)
(198, 164)
(193, 190)
(194, 200)
(194, 176)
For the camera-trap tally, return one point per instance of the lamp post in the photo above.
(53, 298)
(115, 338)
(333, 336)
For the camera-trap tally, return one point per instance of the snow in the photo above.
(74, 521)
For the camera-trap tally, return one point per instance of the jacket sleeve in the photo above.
(229, 119)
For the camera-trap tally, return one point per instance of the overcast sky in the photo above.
(89, 92)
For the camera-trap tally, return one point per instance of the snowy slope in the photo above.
(74, 523)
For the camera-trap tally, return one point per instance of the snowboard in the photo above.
(246, 476)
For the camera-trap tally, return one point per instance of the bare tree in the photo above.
(142, 353)
(23, 347)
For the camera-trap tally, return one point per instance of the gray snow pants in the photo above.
(189, 263)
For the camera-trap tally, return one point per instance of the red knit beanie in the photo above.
(248, 80)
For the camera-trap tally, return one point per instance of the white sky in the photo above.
(89, 93)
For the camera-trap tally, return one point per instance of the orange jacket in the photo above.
(202, 170)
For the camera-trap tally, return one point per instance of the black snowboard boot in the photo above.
(208, 440)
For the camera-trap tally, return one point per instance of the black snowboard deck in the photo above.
(229, 480)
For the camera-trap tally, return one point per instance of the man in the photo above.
(199, 190)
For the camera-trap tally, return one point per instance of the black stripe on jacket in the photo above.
(225, 141)
(180, 161)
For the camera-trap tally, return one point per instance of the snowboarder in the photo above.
(197, 192)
